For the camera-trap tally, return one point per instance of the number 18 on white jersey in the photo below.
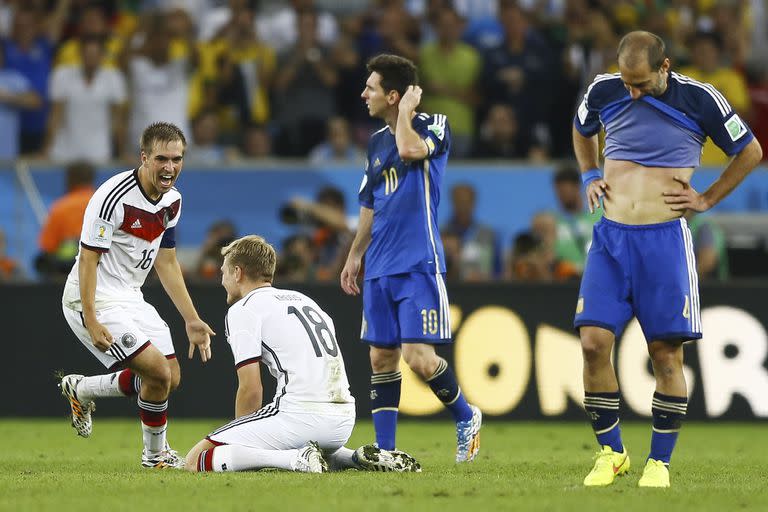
(296, 340)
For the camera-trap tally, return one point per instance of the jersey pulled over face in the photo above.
(127, 228)
(296, 340)
(667, 130)
(404, 197)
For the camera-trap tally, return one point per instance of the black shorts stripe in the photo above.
(265, 412)
(107, 200)
(117, 352)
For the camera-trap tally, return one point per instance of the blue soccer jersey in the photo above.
(404, 197)
(664, 131)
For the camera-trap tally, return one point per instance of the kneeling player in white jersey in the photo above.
(128, 228)
(313, 412)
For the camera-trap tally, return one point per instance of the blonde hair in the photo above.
(255, 257)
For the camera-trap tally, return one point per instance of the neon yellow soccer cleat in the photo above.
(608, 465)
(655, 474)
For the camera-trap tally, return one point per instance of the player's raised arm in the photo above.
(89, 260)
(410, 145)
(356, 252)
(198, 332)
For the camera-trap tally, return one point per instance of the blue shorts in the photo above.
(648, 271)
(405, 308)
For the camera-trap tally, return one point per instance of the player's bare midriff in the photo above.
(634, 194)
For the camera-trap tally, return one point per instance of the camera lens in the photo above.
(289, 214)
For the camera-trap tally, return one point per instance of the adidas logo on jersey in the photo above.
(136, 224)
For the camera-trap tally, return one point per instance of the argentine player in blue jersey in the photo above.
(405, 303)
(641, 262)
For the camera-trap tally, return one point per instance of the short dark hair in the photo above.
(633, 45)
(525, 242)
(160, 132)
(331, 195)
(98, 39)
(397, 73)
(79, 173)
(567, 174)
(712, 37)
(464, 186)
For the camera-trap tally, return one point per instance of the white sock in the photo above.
(341, 459)
(242, 458)
(99, 386)
(154, 437)
(157, 414)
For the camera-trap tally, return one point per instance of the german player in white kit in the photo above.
(313, 411)
(128, 228)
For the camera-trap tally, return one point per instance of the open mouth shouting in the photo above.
(166, 180)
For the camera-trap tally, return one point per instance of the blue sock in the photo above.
(385, 399)
(603, 410)
(444, 386)
(668, 413)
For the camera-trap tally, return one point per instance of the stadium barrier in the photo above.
(508, 194)
(515, 354)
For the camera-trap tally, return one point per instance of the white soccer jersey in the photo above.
(296, 340)
(127, 227)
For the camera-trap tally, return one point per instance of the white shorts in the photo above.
(270, 429)
(133, 327)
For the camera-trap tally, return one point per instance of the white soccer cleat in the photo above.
(468, 436)
(81, 409)
(165, 459)
(372, 458)
(310, 459)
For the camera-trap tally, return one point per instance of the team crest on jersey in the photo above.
(128, 340)
(735, 127)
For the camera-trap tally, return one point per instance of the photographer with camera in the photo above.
(220, 234)
(304, 88)
(329, 229)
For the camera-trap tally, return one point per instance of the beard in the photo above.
(660, 87)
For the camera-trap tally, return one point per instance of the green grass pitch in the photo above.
(521, 466)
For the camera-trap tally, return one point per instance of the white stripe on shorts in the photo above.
(693, 278)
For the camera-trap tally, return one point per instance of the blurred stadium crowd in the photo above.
(247, 80)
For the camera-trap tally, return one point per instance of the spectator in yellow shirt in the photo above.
(707, 66)
(235, 74)
(93, 23)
